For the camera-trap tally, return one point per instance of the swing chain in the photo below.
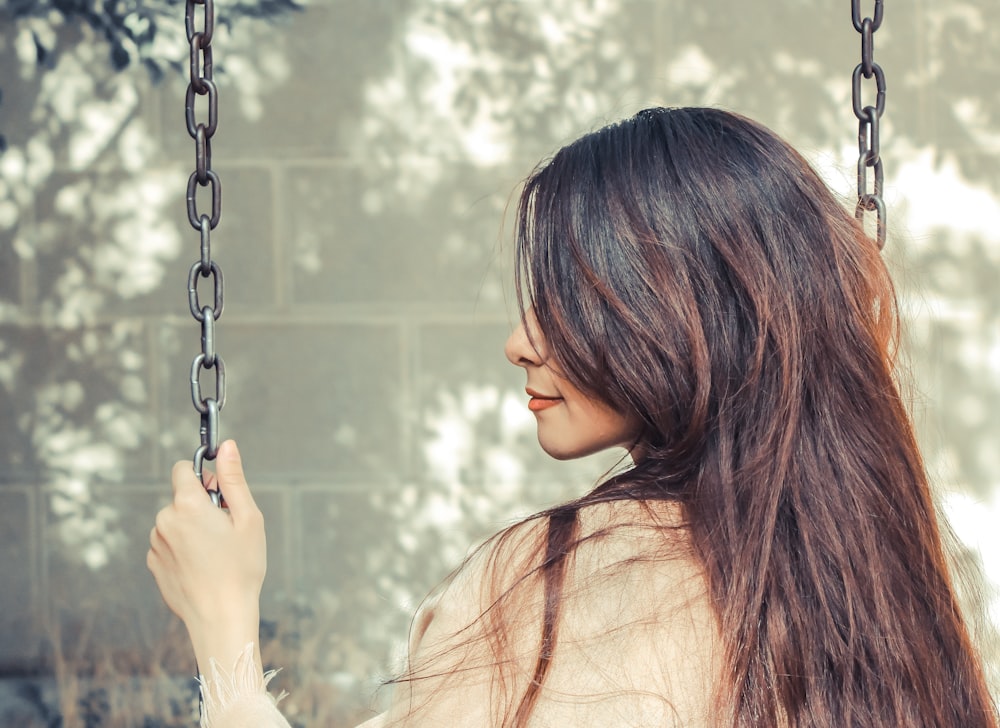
(202, 83)
(869, 117)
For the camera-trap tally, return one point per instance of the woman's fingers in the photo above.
(185, 483)
(208, 563)
(187, 487)
(229, 480)
(154, 539)
(232, 482)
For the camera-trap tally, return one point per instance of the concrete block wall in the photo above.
(368, 150)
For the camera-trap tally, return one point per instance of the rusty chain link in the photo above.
(869, 117)
(203, 84)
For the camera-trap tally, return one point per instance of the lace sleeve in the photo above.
(239, 699)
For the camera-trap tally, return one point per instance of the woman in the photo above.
(690, 291)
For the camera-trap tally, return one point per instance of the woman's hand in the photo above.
(208, 563)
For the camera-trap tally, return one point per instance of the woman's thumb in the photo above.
(232, 482)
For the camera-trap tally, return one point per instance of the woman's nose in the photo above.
(519, 349)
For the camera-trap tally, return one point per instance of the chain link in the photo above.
(869, 144)
(202, 83)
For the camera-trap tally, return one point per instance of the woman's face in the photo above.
(571, 424)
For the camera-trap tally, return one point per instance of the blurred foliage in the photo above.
(130, 28)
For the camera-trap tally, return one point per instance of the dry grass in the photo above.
(151, 685)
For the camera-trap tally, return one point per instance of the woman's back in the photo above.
(637, 641)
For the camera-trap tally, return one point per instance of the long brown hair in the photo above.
(688, 266)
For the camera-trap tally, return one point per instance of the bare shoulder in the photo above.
(469, 642)
(639, 635)
(640, 549)
(500, 572)
(632, 603)
(610, 546)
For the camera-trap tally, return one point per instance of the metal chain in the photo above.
(869, 145)
(202, 84)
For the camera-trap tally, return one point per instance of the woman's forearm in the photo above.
(224, 642)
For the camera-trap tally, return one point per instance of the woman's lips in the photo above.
(539, 401)
(537, 404)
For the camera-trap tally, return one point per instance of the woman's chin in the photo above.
(572, 451)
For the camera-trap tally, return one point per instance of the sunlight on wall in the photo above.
(371, 183)
(938, 197)
(450, 93)
(692, 68)
(937, 201)
(975, 522)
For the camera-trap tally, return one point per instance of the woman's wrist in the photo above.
(225, 640)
